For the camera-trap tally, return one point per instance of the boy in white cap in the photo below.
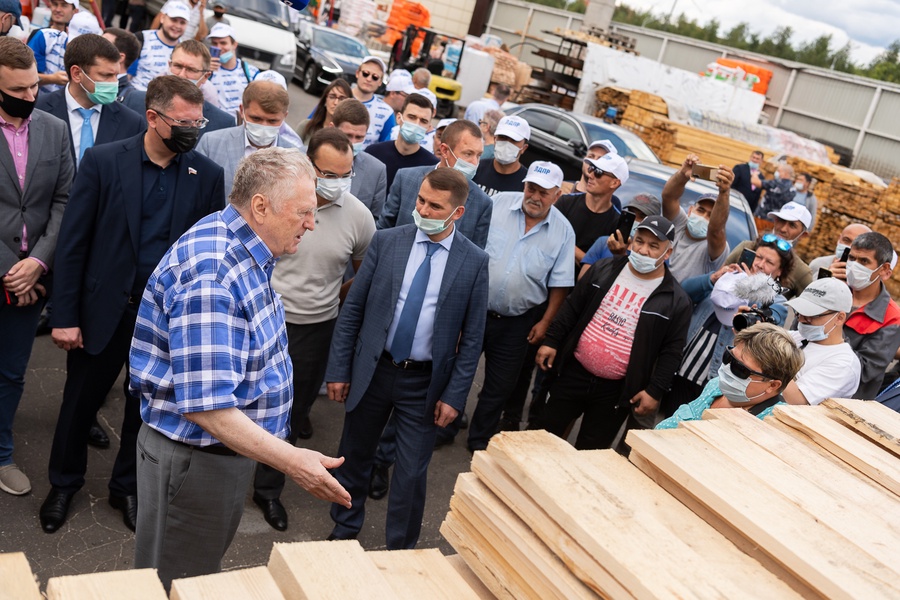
(369, 77)
(233, 74)
(505, 172)
(157, 44)
(831, 368)
(49, 45)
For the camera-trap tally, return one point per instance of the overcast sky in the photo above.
(869, 24)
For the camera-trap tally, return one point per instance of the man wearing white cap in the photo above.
(196, 28)
(700, 243)
(49, 45)
(157, 44)
(504, 172)
(597, 149)
(831, 368)
(791, 224)
(399, 86)
(434, 136)
(530, 245)
(369, 77)
(233, 74)
(407, 151)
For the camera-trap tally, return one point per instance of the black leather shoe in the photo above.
(43, 327)
(333, 536)
(378, 484)
(304, 429)
(54, 510)
(273, 512)
(464, 421)
(128, 506)
(97, 436)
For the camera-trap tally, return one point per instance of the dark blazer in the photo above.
(401, 201)
(116, 122)
(100, 233)
(361, 330)
(136, 100)
(40, 206)
(742, 184)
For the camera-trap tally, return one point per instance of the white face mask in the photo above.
(859, 277)
(645, 264)
(506, 153)
(358, 147)
(261, 135)
(332, 189)
(431, 226)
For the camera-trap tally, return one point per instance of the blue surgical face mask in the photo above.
(412, 133)
(634, 227)
(815, 333)
(431, 226)
(358, 147)
(697, 226)
(226, 58)
(733, 388)
(839, 250)
(466, 168)
(753, 165)
(643, 264)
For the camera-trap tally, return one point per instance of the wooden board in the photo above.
(18, 582)
(857, 451)
(872, 419)
(243, 584)
(137, 584)
(819, 556)
(333, 570)
(417, 574)
(458, 563)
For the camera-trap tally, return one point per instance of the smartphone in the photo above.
(10, 298)
(707, 172)
(823, 273)
(214, 51)
(747, 257)
(626, 220)
(845, 255)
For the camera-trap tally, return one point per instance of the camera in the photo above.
(752, 317)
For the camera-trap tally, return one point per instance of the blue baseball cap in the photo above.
(12, 7)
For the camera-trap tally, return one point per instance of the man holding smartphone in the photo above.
(837, 263)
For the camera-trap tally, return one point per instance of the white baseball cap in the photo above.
(605, 144)
(400, 83)
(793, 211)
(273, 76)
(375, 59)
(428, 94)
(221, 30)
(611, 163)
(83, 22)
(823, 295)
(544, 174)
(515, 128)
(175, 9)
(444, 122)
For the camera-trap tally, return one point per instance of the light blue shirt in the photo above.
(694, 410)
(524, 265)
(421, 346)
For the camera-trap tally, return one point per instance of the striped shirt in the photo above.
(49, 47)
(152, 62)
(211, 334)
(381, 121)
(230, 84)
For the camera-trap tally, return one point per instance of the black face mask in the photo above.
(218, 15)
(182, 139)
(17, 108)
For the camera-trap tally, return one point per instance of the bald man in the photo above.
(833, 262)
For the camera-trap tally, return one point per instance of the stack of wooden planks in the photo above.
(805, 504)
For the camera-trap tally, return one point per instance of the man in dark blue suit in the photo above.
(742, 175)
(130, 201)
(87, 104)
(407, 340)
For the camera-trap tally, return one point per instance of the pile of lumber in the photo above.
(804, 504)
(506, 67)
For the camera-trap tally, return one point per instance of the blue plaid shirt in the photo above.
(211, 334)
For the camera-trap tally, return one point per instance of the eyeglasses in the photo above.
(335, 97)
(198, 124)
(179, 68)
(771, 238)
(740, 370)
(598, 173)
(367, 75)
(326, 175)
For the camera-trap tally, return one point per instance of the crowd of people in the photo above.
(154, 204)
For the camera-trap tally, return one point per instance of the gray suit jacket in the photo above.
(401, 201)
(361, 330)
(40, 206)
(226, 148)
(369, 182)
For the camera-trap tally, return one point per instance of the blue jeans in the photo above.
(17, 328)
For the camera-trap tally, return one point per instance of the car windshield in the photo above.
(272, 12)
(627, 143)
(339, 44)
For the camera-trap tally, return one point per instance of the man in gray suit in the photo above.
(407, 341)
(369, 174)
(263, 109)
(32, 203)
(461, 144)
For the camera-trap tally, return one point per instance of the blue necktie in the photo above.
(87, 132)
(409, 316)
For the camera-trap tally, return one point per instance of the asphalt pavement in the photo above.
(94, 539)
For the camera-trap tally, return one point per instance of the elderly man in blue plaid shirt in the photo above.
(210, 361)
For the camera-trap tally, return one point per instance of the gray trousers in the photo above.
(190, 506)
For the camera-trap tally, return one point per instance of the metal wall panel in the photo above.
(887, 114)
(690, 58)
(819, 130)
(844, 101)
(647, 45)
(879, 155)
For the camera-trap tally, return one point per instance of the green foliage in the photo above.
(818, 52)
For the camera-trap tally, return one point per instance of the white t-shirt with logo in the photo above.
(231, 84)
(153, 61)
(829, 371)
(379, 114)
(49, 47)
(604, 348)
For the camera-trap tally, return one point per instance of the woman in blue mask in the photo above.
(754, 372)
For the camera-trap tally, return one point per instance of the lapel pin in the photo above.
(192, 171)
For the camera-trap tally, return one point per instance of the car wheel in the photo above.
(311, 78)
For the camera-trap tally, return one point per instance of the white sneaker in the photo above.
(14, 481)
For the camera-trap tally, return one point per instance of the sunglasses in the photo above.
(367, 75)
(771, 238)
(592, 170)
(740, 370)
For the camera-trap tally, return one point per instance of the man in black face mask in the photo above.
(131, 200)
(10, 11)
